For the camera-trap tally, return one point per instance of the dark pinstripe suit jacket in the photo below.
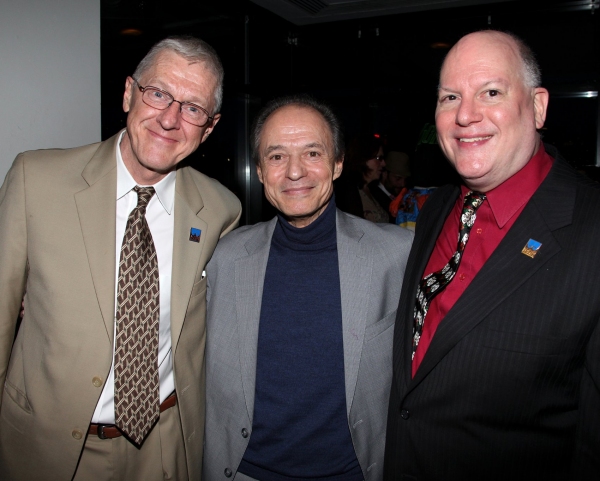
(509, 388)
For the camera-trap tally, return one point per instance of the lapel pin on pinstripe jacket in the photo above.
(531, 248)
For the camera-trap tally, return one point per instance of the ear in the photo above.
(210, 128)
(260, 173)
(128, 95)
(540, 105)
(337, 168)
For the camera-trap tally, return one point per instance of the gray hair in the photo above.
(192, 49)
(303, 101)
(532, 74)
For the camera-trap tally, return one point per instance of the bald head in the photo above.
(489, 107)
(530, 69)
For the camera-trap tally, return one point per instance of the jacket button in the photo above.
(404, 414)
(244, 433)
(228, 472)
(96, 381)
(77, 434)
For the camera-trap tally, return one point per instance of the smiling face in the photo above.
(157, 140)
(486, 117)
(297, 165)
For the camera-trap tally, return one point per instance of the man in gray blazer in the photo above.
(300, 315)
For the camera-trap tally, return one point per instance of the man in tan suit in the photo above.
(64, 215)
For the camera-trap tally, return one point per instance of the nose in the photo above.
(468, 113)
(170, 118)
(295, 168)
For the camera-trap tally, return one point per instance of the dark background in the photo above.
(379, 74)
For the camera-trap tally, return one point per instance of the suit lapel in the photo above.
(96, 206)
(249, 281)
(428, 230)
(186, 254)
(355, 267)
(507, 269)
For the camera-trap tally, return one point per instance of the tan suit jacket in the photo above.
(57, 243)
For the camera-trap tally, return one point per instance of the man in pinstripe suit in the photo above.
(502, 380)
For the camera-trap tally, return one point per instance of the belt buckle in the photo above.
(101, 434)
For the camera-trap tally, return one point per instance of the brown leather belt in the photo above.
(110, 431)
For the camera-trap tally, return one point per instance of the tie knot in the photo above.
(144, 195)
(474, 199)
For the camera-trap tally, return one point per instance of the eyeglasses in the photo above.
(161, 100)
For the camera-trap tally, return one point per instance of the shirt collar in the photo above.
(509, 197)
(165, 188)
(385, 191)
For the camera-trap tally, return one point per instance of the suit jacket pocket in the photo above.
(16, 413)
(19, 397)
(523, 343)
(386, 322)
(199, 288)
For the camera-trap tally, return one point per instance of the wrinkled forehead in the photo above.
(292, 119)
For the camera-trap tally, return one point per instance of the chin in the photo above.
(469, 168)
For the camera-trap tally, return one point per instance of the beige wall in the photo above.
(49, 75)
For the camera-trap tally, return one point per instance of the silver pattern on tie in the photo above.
(137, 400)
(432, 284)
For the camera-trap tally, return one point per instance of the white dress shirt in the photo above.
(159, 215)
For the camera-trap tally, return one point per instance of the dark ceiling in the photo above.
(263, 52)
(306, 12)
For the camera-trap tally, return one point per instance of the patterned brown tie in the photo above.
(136, 344)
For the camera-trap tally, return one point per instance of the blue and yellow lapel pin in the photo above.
(531, 248)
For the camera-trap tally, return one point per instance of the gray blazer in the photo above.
(372, 258)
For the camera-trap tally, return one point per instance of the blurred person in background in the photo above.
(365, 158)
(393, 179)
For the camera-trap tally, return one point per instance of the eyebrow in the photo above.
(485, 84)
(312, 145)
(271, 148)
(161, 86)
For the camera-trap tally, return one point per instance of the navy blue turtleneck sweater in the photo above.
(300, 427)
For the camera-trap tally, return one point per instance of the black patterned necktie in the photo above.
(432, 284)
(137, 400)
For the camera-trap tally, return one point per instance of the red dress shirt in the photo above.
(495, 217)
